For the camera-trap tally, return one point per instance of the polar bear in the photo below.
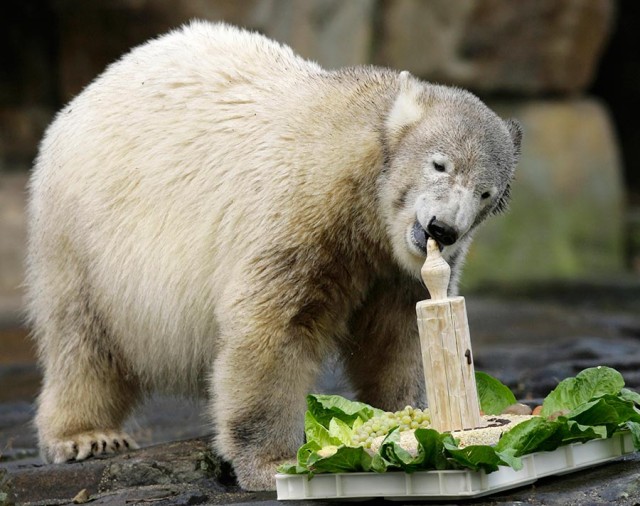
(214, 215)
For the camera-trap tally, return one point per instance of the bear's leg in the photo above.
(384, 361)
(259, 385)
(87, 393)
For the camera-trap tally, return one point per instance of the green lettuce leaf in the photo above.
(592, 405)
(340, 431)
(318, 433)
(536, 434)
(494, 396)
(395, 455)
(431, 451)
(475, 457)
(508, 456)
(292, 469)
(573, 432)
(431, 448)
(630, 395)
(572, 392)
(634, 427)
(378, 464)
(608, 411)
(346, 459)
(325, 407)
(305, 452)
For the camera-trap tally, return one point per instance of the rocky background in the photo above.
(565, 68)
(553, 286)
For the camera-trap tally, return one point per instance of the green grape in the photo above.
(406, 419)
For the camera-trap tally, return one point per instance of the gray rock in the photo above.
(566, 216)
(530, 340)
(179, 472)
(12, 245)
(332, 32)
(173, 474)
(526, 47)
(21, 128)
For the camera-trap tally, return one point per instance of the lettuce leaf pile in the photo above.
(592, 405)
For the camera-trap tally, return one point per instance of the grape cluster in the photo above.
(408, 418)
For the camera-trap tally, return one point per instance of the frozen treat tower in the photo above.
(446, 350)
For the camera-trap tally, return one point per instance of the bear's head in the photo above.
(449, 164)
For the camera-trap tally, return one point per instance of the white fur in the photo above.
(214, 214)
(406, 109)
(154, 185)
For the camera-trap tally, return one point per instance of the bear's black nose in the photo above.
(441, 232)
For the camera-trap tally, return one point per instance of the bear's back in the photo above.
(150, 179)
(213, 54)
(189, 68)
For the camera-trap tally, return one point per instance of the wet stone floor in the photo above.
(529, 339)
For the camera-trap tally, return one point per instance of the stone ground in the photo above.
(530, 340)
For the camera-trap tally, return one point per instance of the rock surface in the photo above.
(333, 32)
(186, 473)
(56, 47)
(566, 217)
(536, 46)
(528, 47)
(13, 226)
(183, 472)
(570, 176)
(529, 339)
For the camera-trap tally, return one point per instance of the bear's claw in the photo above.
(88, 444)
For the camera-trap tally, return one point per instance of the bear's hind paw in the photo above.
(88, 444)
(259, 475)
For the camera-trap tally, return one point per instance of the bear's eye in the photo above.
(485, 195)
(439, 166)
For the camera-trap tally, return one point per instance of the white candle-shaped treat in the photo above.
(446, 350)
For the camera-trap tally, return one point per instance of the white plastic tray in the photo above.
(434, 485)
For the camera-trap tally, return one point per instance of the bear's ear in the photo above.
(406, 109)
(515, 129)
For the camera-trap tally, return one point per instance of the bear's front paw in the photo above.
(87, 444)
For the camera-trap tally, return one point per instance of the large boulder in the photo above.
(566, 215)
(332, 32)
(12, 245)
(524, 47)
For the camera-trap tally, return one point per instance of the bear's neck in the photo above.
(348, 115)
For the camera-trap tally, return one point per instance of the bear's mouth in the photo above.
(419, 237)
